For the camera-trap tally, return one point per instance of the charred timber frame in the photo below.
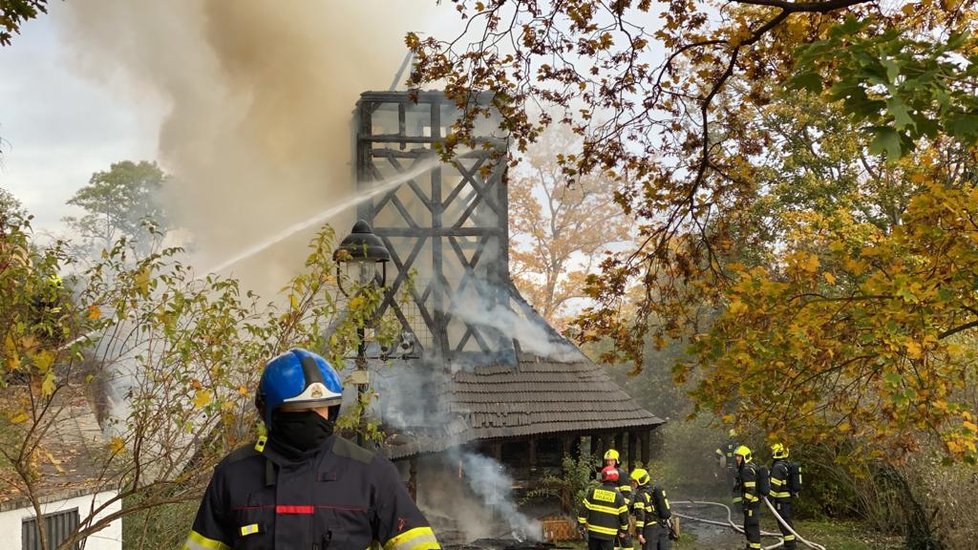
(480, 185)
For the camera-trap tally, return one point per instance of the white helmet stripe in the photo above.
(317, 391)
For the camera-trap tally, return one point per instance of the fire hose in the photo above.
(790, 528)
(731, 524)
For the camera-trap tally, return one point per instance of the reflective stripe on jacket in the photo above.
(604, 511)
(779, 480)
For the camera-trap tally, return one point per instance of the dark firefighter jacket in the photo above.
(650, 506)
(779, 480)
(605, 511)
(339, 496)
(747, 486)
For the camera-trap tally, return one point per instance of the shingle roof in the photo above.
(535, 397)
(68, 465)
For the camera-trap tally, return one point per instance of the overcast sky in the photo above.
(58, 127)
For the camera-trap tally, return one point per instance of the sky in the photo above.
(99, 81)
(58, 126)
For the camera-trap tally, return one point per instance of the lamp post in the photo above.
(363, 252)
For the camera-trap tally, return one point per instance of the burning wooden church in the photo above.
(477, 367)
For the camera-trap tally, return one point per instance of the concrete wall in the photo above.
(109, 538)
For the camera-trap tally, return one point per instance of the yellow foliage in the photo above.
(913, 349)
(48, 385)
(202, 398)
(116, 445)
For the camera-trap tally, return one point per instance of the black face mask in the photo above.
(300, 430)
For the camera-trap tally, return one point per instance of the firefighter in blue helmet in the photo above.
(302, 486)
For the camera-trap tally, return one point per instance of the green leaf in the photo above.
(893, 379)
(892, 69)
(886, 140)
(964, 126)
(901, 116)
(809, 80)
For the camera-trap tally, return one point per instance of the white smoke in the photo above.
(476, 305)
(472, 495)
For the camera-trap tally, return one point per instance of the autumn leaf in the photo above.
(202, 398)
(49, 385)
(116, 445)
(913, 349)
(94, 313)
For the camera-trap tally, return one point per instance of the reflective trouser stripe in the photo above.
(780, 494)
(196, 541)
(419, 538)
(789, 537)
(755, 545)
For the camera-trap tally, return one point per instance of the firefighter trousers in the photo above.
(752, 528)
(594, 543)
(784, 510)
(657, 537)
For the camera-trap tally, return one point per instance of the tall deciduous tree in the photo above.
(559, 231)
(843, 301)
(119, 203)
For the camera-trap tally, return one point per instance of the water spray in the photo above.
(379, 188)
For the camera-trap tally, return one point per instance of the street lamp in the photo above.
(363, 253)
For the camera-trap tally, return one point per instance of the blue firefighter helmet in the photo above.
(296, 380)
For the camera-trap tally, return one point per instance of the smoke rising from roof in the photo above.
(258, 135)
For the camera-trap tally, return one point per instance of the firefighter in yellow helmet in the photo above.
(781, 492)
(746, 488)
(613, 460)
(651, 509)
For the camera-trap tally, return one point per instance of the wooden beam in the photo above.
(633, 454)
(646, 447)
(413, 478)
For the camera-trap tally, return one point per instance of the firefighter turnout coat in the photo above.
(339, 496)
(651, 506)
(604, 512)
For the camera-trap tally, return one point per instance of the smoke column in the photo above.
(260, 97)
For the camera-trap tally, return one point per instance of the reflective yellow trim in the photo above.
(419, 538)
(604, 509)
(750, 484)
(260, 444)
(789, 537)
(249, 529)
(639, 524)
(196, 541)
(604, 495)
(581, 520)
(780, 494)
(602, 530)
(776, 481)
